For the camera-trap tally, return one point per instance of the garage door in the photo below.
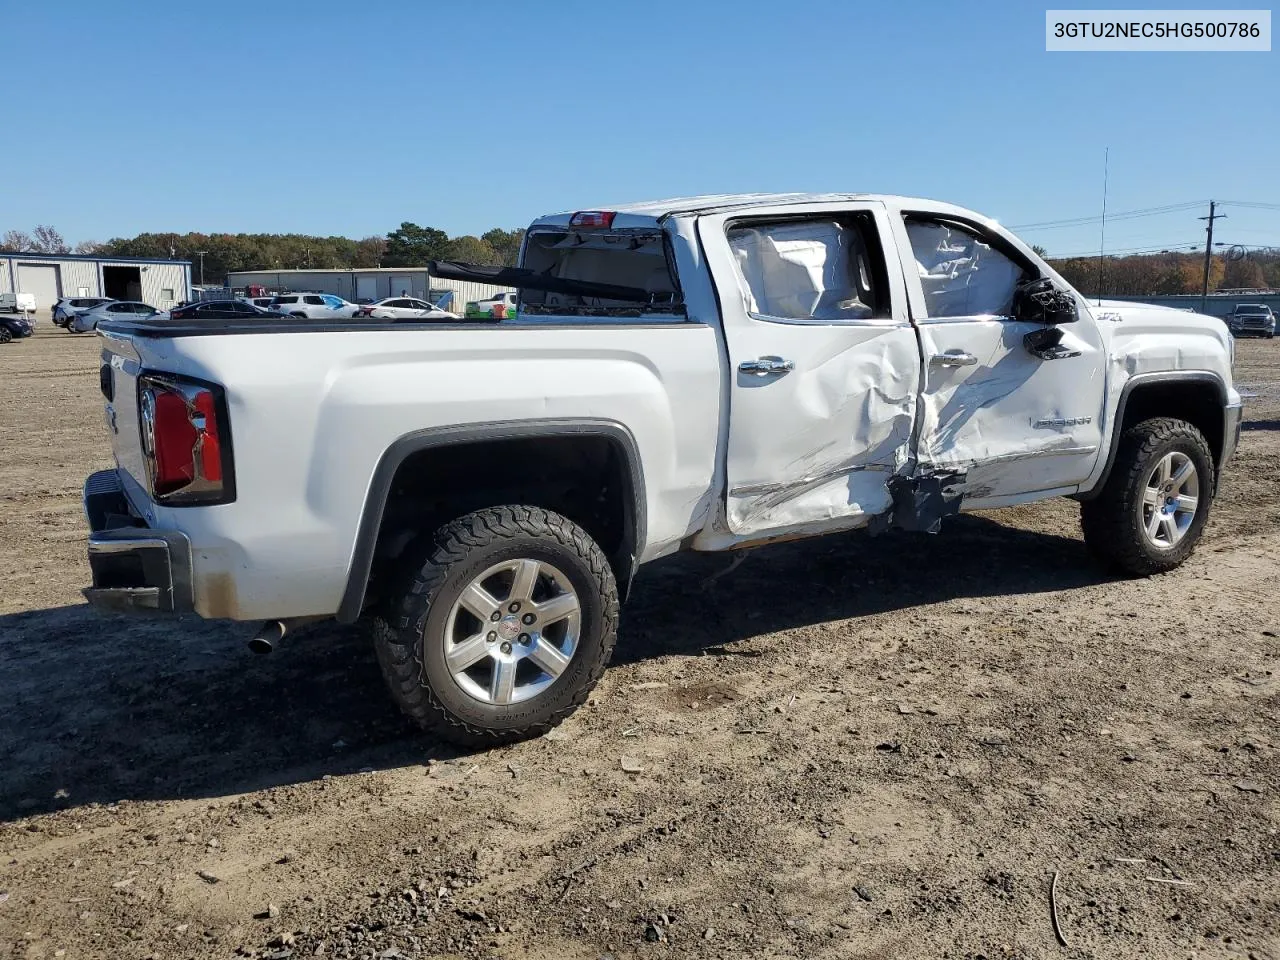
(40, 279)
(366, 288)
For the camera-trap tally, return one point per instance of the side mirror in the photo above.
(1039, 301)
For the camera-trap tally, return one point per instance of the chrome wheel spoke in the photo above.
(526, 578)
(1187, 503)
(548, 657)
(502, 683)
(1153, 524)
(1165, 469)
(1151, 497)
(1170, 528)
(557, 608)
(1183, 473)
(468, 653)
(479, 601)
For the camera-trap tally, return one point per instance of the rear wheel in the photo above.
(5, 335)
(1153, 508)
(503, 631)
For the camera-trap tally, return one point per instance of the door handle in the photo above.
(953, 358)
(767, 366)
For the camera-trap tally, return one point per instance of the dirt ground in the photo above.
(851, 747)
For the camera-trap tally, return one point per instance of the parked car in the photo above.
(88, 320)
(15, 328)
(404, 308)
(1252, 320)
(501, 306)
(219, 310)
(313, 306)
(706, 374)
(68, 307)
(17, 302)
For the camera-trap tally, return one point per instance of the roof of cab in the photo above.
(650, 213)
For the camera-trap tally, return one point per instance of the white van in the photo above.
(17, 303)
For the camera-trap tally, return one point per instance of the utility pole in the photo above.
(200, 254)
(1208, 252)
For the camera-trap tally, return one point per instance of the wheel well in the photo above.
(587, 478)
(1198, 402)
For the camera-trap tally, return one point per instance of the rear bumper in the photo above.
(136, 569)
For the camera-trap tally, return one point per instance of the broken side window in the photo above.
(822, 270)
(962, 275)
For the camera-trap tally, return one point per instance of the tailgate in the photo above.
(118, 378)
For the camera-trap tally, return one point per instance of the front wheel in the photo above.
(5, 335)
(1153, 508)
(503, 631)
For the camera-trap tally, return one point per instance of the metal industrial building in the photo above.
(161, 283)
(366, 285)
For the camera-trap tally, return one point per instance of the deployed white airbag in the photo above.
(801, 271)
(961, 275)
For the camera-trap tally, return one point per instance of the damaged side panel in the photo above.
(829, 449)
(1011, 421)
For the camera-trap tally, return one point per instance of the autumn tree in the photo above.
(45, 239)
(15, 241)
(1246, 273)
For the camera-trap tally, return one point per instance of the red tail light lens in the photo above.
(184, 439)
(602, 219)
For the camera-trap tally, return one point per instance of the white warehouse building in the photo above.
(367, 284)
(161, 283)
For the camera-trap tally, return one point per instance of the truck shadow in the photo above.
(683, 607)
(101, 709)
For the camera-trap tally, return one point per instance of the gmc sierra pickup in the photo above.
(704, 374)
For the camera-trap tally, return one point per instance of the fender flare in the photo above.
(1142, 380)
(361, 564)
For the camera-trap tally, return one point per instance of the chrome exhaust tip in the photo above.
(268, 635)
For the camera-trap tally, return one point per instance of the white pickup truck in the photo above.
(699, 374)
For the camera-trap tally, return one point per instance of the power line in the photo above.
(1170, 247)
(1143, 212)
(1126, 215)
(1188, 246)
(1252, 205)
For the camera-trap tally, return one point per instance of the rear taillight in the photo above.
(185, 440)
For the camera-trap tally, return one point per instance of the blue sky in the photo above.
(340, 118)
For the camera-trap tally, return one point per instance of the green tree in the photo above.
(472, 250)
(413, 246)
(369, 252)
(505, 243)
(1039, 251)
